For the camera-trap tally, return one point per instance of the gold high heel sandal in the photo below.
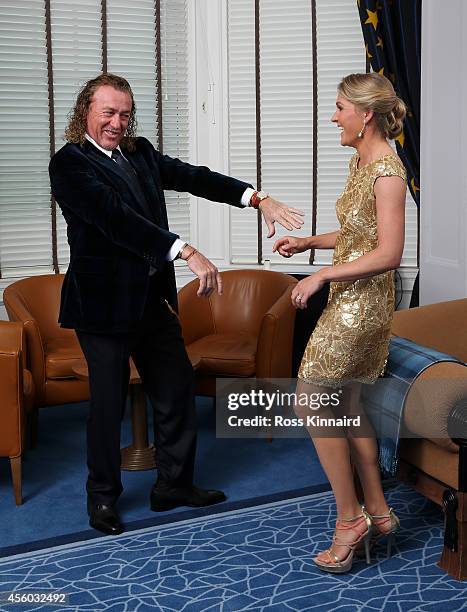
(386, 525)
(380, 529)
(340, 566)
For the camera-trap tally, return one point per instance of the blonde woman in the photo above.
(350, 342)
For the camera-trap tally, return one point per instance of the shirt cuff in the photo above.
(246, 197)
(175, 249)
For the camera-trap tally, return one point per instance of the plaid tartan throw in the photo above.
(385, 400)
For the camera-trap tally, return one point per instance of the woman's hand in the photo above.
(304, 289)
(289, 245)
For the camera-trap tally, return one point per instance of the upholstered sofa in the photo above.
(435, 463)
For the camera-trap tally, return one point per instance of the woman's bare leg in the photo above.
(334, 456)
(364, 452)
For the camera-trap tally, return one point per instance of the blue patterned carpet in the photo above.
(54, 477)
(248, 559)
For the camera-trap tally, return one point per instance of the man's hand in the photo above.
(290, 245)
(305, 289)
(209, 276)
(273, 210)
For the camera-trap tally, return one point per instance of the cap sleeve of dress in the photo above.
(390, 166)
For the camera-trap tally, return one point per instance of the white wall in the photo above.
(443, 210)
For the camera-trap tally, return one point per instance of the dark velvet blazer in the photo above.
(115, 235)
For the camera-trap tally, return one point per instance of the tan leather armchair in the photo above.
(51, 350)
(247, 331)
(17, 393)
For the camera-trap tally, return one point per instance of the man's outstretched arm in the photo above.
(203, 182)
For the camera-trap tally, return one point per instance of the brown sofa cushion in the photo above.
(225, 354)
(61, 354)
(430, 400)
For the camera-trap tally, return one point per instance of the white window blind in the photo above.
(25, 219)
(131, 53)
(76, 58)
(175, 111)
(76, 53)
(409, 256)
(242, 122)
(287, 111)
(340, 51)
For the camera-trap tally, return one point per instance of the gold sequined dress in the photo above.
(351, 339)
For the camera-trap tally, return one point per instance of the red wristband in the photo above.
(193, 252)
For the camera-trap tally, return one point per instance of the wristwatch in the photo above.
(257, 197)
(179, 254)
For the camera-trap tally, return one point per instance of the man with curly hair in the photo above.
(120, 284)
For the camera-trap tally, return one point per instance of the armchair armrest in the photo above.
(35, 358)
(275, 341)
(439, 326)
(11, 338)
(195, 313)
(11, 388)
(431, 399)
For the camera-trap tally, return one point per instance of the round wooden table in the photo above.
(140, 455)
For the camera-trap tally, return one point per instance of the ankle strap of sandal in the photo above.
(356, 520)
(383, 516)
(351, 520)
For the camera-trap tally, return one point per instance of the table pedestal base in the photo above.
(138, 458)
(140, 455)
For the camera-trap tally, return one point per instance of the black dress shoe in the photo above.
(163, 498)
(105, 518)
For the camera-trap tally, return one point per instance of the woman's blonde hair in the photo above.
(374, 92)
(77, 119)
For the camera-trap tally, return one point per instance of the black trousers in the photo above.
(167, 377)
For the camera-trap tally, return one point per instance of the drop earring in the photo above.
(362, 131)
